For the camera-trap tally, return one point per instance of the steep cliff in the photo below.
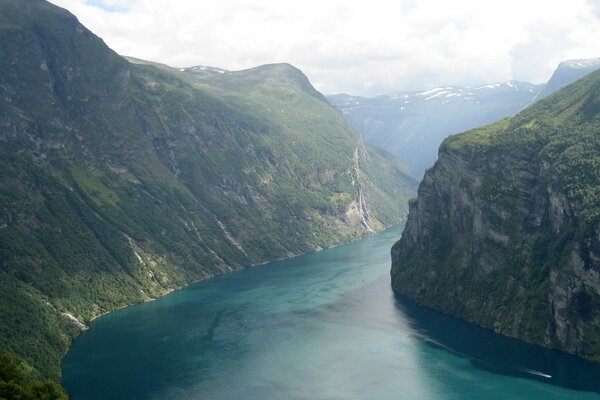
(505, 230)
(120, 182)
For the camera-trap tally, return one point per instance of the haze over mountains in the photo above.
(413, 124)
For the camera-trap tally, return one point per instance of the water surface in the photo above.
(321, 326)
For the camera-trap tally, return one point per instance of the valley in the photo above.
(174, 231)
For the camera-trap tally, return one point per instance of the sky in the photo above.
(359, 47)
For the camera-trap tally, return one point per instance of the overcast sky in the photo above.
(362, 47)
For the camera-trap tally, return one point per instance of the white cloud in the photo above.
(595, 7)
(354, 46)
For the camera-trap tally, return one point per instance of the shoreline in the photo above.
(171, 290)
(88, 326)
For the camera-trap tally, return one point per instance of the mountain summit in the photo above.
(413, 124)
(567, 72)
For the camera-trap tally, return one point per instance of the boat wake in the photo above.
(534, 372)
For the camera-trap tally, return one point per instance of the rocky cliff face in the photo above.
(505, 231)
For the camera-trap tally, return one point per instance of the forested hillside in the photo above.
(120, 182)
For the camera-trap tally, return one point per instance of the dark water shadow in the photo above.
(499, 354)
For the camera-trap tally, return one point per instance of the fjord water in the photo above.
(321, 326)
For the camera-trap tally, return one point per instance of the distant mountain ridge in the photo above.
(567, 72)
(121, 181)
(413, 124)
(201, 70)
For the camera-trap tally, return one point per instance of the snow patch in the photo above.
(430, 92)
(585, 63)
(492, 86)
(436, 95)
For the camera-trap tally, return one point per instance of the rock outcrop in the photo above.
(505, 232)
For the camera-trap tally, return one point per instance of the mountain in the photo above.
(199, 70)
(505, 232)
(413, 124)
(568, 72)
(122, 181)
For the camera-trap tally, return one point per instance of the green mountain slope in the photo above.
(120, 182)
(506, 229)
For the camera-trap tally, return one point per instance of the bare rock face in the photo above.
(502, 233)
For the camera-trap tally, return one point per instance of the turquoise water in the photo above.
(320, 326)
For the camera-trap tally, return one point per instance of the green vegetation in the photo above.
(476, 138)
(121, 182)
(562, 130)
(15, 386)
(510, 231)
